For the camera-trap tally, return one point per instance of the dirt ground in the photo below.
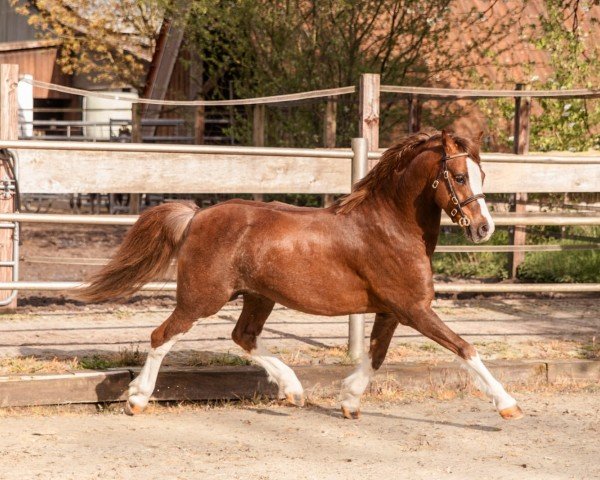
(426, 439)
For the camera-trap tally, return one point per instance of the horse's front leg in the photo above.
(421, 317)
(355, 385)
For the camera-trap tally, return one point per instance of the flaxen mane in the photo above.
(396, 159)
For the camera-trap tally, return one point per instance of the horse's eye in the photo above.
(460, 179)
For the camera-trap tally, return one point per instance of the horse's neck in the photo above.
(406, 204)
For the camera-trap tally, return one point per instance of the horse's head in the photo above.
(458, 189)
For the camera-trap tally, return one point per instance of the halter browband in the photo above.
(463, 220)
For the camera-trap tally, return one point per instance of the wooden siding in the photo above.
(41, 63)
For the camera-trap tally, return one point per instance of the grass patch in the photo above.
(207, 359)
(125, 357)
(33, 365)
(470, 264)
(541, 267)
(590, 351)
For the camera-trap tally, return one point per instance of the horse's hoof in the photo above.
(350, 415)
(132, 409)
(511, 413)
(296, 399)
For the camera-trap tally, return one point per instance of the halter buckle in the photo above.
(464, 222)
(455, 200)
(435, 184)
(446, 174)
(453, 212)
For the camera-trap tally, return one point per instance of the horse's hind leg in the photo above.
(355, 385)
(246, 334)
(162, 340)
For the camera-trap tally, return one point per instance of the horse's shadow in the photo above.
(335, 413)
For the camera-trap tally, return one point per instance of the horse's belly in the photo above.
(318, 290)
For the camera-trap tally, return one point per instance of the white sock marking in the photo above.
(486, 382)
(143, 385)
(476, 184)
(278, 371)
(355, 385)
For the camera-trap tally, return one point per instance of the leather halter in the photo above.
(463, 220)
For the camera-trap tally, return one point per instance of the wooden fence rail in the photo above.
(72, 167)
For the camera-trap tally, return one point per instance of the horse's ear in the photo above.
(479, 137)
(447, 142)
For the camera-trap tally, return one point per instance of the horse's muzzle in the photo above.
(480, 232)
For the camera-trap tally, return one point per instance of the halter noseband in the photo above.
(463, 220)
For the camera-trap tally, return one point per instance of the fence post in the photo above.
(199, 125)
(136, 137)
(368, 110)
(258, 135)
(520, 147)
(356, 326)
(414, 114)
(9, 130)
(329, 133)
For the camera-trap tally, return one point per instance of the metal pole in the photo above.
(499, 219)
(356, 326)
(447, 288)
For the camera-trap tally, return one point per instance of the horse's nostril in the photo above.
(483, 230)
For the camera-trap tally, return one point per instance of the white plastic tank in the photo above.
(25, 100)
(102, 110)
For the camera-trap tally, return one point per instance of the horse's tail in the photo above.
(145, 253)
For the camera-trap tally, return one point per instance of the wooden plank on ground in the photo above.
(212, 383)
(73, 171)
(81, 387)
(569, 370)
(231, 383)
(326, 379)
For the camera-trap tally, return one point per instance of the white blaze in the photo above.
(476, 184)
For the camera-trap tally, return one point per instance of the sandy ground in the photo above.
(429, 439)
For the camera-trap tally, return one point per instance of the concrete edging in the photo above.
(243, 382)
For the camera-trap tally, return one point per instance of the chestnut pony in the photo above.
(368, 253)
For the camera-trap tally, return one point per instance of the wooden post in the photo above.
(329, 134)
(199, 125)
(368, 110)
(414, 114)
(258, 135)
(9, 130)
(368, 128)
(136, 137)
(520, 147)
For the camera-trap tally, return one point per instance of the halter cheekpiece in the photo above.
(463, 220)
